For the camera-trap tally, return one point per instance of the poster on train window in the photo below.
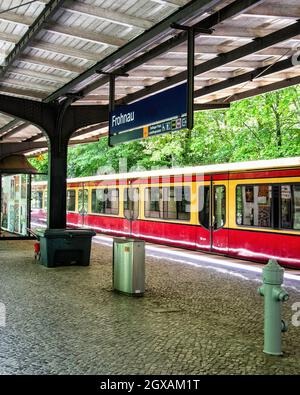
(11, 217)
(24, 186)
(12, 187)
(4, 212)
(297, 207)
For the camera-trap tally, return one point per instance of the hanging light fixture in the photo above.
(16, 164)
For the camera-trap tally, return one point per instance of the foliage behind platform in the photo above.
(263, 127)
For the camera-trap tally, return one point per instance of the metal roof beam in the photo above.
(276, 11)
(145, 76)
(265, 89)
(236, 32)
(50, 8)
(15, 130)
(38, 75)
(9, 38)
(104, 97)
(177, 3)
(63, 50)
(24, 93)
(18, 19)
(240, 79)
(108, 15)
(27, 85)
(131, 82)
(224, 58)
(153, 73)
(91, 139)
(13, 148)
(92, 100)
(80, 132)
(3, 53)
(52, 63)
(86, 35)
(157, 32)
(142, 82)
(89, 129)
(221, 48)
(6, 128)
(233, 9)
(181, 63)
(34, 138)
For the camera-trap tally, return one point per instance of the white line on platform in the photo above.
(167, 253)
(175, 255)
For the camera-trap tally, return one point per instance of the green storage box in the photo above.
(64, 247)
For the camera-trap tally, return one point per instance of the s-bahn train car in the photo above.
(248, 210)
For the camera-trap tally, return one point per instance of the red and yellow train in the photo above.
(248, 210)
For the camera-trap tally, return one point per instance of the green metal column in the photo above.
(57, 183)
(274, 295)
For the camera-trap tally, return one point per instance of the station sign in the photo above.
(161, 113)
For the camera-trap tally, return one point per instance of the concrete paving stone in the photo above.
(191, 320)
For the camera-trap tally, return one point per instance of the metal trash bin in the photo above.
(64, 247)
(129, 266)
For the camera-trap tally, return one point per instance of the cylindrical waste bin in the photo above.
(64, 247)
(129, 266)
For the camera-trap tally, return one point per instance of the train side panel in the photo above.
(173, 234)
(232, 238)
(262, 246)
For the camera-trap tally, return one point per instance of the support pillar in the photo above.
(57, 183)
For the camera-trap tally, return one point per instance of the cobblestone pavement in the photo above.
(191, 320)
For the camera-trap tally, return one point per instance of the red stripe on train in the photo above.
(251, 245)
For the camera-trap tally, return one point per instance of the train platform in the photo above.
(201, 314)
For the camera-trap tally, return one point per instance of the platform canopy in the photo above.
(51, 49)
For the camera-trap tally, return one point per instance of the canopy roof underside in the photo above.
(251, 50)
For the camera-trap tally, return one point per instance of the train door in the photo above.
(203, 240)
(83, 195)
(131, 210)
(219, 227)
(212, 235)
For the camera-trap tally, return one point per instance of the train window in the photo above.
(37, 200)
(153, 202)
(183, 202)
(105, 201)
(176, 203)
(204, 198)
(254, 205)
(71, 200)
(219, 206)
(168, 203)
(98, 201)
(290, 206)
(131, 203)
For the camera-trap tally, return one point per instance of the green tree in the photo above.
(261, 127)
